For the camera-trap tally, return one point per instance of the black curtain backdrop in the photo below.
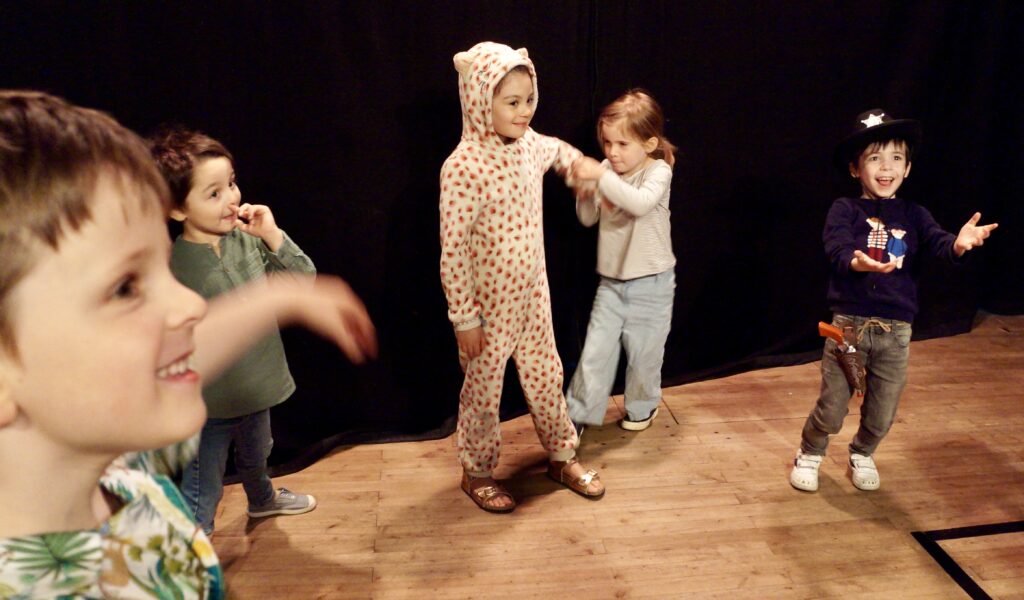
(341, 113)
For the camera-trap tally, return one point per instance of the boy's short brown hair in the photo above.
(177, 150)
(51, 154)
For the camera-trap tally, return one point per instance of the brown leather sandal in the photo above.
(580, 485)
(483, 494)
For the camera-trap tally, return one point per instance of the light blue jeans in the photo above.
(635, 315)
(885, 356)
(202, 483)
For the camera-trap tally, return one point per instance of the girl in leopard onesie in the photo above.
(493, 270)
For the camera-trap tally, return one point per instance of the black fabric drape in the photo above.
(341, 113)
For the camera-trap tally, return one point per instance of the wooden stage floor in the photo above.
(698, 506)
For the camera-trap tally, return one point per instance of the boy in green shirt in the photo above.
(225, 244)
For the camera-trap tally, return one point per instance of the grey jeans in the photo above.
(885, 346)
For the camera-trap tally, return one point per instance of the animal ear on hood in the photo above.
(523, 53)
(464, 60)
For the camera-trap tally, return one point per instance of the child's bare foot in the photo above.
(488, 494)
(574, 476)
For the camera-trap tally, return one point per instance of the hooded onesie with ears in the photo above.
(492, 263)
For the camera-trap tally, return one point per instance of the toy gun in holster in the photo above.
(850, 361)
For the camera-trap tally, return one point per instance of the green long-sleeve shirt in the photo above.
(260, 379)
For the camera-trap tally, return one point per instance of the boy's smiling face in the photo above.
(211, 206)
(881, 169)
(104, 333)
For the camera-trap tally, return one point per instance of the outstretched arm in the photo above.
(242, 317)
(558, 155)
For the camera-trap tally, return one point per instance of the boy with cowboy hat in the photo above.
(873, 289)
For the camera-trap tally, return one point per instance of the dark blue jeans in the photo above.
(885, 356)
(202, 483)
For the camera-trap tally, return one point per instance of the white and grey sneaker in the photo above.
(804, 475)
(865, 473)
(284, 502)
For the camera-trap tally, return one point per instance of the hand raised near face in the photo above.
(257, 220)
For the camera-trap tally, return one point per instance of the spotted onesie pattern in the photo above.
(492, 264)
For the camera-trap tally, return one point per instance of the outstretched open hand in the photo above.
(972, 235)
(325, 305)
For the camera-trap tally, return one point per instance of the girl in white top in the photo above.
(633, 305)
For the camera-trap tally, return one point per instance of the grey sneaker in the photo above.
(284, 502)
(640, 425)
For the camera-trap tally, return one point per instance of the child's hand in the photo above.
(257, 220)
(471, 341)
(587, 169)
(327, 305)
(971, 235)
(238, 319)
(864, 263)
(586, 191)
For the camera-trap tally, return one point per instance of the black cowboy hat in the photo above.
(872, 126)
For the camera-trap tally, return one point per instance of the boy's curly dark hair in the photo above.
(177, 150)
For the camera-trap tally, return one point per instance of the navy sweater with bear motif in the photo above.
(891, 230)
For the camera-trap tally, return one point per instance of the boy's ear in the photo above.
(177, 215)
(853, 170)
(907, 172)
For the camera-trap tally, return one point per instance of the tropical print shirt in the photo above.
(150, 548)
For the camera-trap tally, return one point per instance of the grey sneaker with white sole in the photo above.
(284, 502)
